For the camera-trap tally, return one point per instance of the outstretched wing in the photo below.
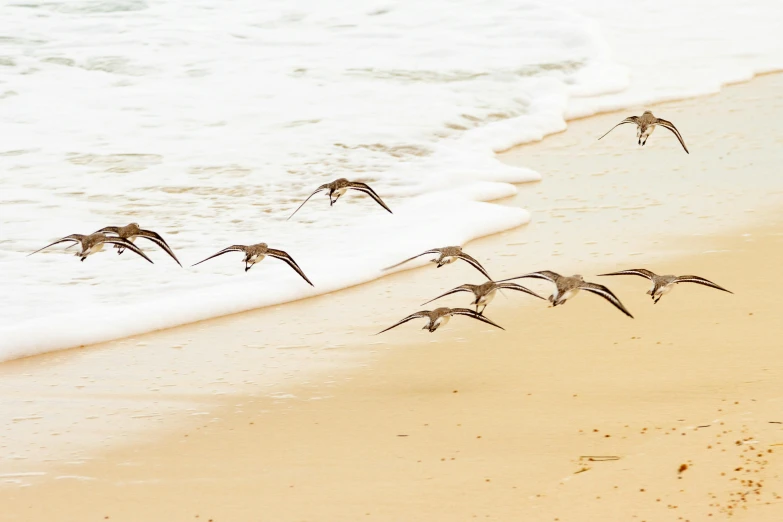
(461, 288)
(155, 238)
(606, 294)
(633, 271)
(668, 125)
(319, 189)
(630, 119)
(364, 187)
(111, 230)
(476, 264)
(411, 317)
(430, 251)
(232, 248)
(125, 244)
(520, 288)
(283, 256)
(474, 315)
(546, 275)
(73, 237)
(701, 281)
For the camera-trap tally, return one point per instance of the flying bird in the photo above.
(446, 255)
(645, 124)
(94, 243)
(568, 287)
(485, 293)
(256, 253)
(133, 231)
(339, 187)
(439, 317)
(663, 284)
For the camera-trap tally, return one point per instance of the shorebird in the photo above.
(256, 253)
(484, 294)
(568, 287)
(132, 231)
(441, 316)
(645, 124)
(94, 243)
(339, 187)
(446, 256)
(663, 284)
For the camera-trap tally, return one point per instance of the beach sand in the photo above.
(573, 414)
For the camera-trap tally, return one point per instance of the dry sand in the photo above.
(680, 409)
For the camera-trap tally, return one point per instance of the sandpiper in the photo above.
(663, 284)
(94, 243)
(484, 294)
(256, 253)
(447, 255)
(339, 187)
(568, 287)
(132, 231)
(645, 124)
(441, 316)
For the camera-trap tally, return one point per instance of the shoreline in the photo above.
(217, 349)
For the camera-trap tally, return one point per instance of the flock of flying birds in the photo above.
(123, 238)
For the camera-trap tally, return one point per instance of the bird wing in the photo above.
(633, 271)
(701, 281)
(125, 244)
(430, 251)
(514, 286)
(72, 237)
(411, 317)
(461, 288)
(113, 230)
(474, 315)
(232, 248)
(546, 275)
(319, 189)
(476, 264)
(606, 294)
(364, 187)
(155, 238)
(630, 119)
(283, 256)
(668, 125)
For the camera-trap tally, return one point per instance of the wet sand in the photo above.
(575, 414)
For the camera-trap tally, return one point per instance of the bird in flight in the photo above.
(339, 187)
(663, 284)
(645, 124)
(568, 287)
(447, 255)
(256, 253)
(94, 243)
(439, 317)
(133, 231)
(485, 293)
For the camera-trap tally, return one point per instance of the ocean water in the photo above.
(210, 122)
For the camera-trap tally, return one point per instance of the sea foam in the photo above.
(210, 121)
